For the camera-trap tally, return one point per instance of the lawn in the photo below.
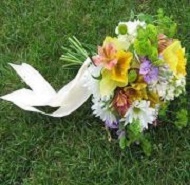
(74, 150)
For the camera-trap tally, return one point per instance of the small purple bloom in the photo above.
(152, 75)
(112, 124)
(145, 67)
(149, 72)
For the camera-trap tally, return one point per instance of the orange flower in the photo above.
(163, 42)
(121, 102)
(108, 53)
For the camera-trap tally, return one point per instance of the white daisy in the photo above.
(169, 90)
(141, 110)
(179, 86)
(165, 85)
(103, 110)
(132, 27)
(131, 32)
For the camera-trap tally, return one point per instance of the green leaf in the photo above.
(152, 32)
(135, 134)
(146, 146)
(145, 17)
(141, 34)
(98, 77)
(162, 114)
(132, 75)
(181, 118)
(165, 24)
(135, 128)
(158, 62)
(123, 142)
(132, 15)
(153, 55)
(146, 42)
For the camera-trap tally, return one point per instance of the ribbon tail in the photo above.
(68, 99)
(25, 99)
(41, 91)
(72, 95)
(34, 80)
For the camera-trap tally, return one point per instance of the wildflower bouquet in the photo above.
(131, 78)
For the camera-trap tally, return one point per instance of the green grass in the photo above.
(75, 150)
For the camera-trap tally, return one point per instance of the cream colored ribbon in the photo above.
(68, 98)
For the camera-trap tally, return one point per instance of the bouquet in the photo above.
(131, 78)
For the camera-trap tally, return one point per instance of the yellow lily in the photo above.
(119, 45)
(118, 75)
(174, 55)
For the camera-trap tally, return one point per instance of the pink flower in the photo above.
(106, 56)
(121, 102)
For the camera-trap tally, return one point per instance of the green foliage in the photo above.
(146, 42)
(74, 54)
(146, 146)
(98, 77)
(152, 33)
(181, 118)
(142, 47)
(165, 24)
(132, 15)
(123, 142)
(145, 17)
(135, 129)
(135, 135)
(158, 62)
(162, 114)
(132, 76)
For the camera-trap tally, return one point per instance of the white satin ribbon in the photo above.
(68, 99)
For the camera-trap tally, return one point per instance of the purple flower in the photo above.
(152, 75)
(112, 124)
(145, 67)
(149, 71)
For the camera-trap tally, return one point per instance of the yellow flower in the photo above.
(153, 98)
(174, 55)
(140, 89)
(140, 92)
(118, 75)
(108, 53)
(117, 43)
(120, 70)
